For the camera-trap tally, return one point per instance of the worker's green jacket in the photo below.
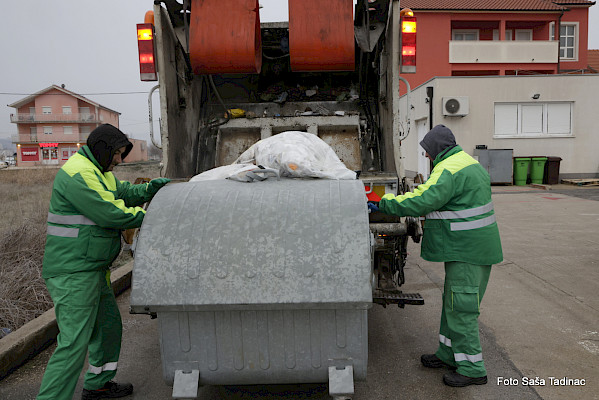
(88, 209)
(456, 200)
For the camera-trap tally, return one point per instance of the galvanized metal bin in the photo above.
(266, 282)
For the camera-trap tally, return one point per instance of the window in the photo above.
(67, 130)
(67, 152)
(533, 119)
(84, 111)
(46, 110)
(523, 34)
(464, 34)
(518, 34)
(47, 130)
(84, 132)
(568, 42)
(66, 110)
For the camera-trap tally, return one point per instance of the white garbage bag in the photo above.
(297, 154)
(223, 172)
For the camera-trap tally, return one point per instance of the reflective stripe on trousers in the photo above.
(111, 366)
(445, 340)
(467, 357)
(461, 356)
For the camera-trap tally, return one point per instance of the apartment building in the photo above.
(54, 123)
(499, 37)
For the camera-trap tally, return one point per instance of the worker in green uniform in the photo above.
(460, 230)
(88, 208)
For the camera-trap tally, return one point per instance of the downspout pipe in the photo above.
(559, 30)
(429, 93)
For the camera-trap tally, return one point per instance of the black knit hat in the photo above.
(438, 139)
(104, 141)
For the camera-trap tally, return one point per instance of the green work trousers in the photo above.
(459, 342)
(88, 319)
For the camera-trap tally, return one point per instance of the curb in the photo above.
(29, 340)
(541, 186)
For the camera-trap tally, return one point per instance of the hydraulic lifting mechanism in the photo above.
(298, 284)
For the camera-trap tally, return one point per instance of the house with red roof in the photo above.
(55, 122)
(499, 37)
(514, 77)
(593, 61)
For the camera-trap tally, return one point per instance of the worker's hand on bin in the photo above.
(372, 206)
(155, 184)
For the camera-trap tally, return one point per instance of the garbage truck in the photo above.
(270, 282)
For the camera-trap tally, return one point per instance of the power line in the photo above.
(80, 94)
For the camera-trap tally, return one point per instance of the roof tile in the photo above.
(593, 60)
(491, 5)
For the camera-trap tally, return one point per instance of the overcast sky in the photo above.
(91, 47)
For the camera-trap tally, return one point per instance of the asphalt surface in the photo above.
(539, 319)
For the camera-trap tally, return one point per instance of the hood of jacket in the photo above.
(104, 141)
(437, 140)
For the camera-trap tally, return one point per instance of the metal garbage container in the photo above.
(257, 283)
(498, 163)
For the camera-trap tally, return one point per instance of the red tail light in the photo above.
(145, 44)
(408, 44)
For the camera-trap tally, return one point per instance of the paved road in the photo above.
(540, 318)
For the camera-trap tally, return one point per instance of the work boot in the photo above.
(432, 361)
(111, 390)
(458, 380)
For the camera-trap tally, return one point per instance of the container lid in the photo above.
(273, 244)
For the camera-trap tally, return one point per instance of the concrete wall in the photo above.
(579, 152)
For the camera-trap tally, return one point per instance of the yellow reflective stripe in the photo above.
(75, 163)
(78, 163)
(457, 162)
(419, 190)
(452, 164)
(92, 182)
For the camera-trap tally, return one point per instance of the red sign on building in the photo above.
(30, 154)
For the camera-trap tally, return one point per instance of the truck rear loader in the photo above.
(270, 282)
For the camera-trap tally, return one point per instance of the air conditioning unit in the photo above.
(458, 106)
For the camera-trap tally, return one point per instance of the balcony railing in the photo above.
(28, 138)
(509, 51)
(72, 118)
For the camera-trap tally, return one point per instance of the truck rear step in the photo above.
(384, 297)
